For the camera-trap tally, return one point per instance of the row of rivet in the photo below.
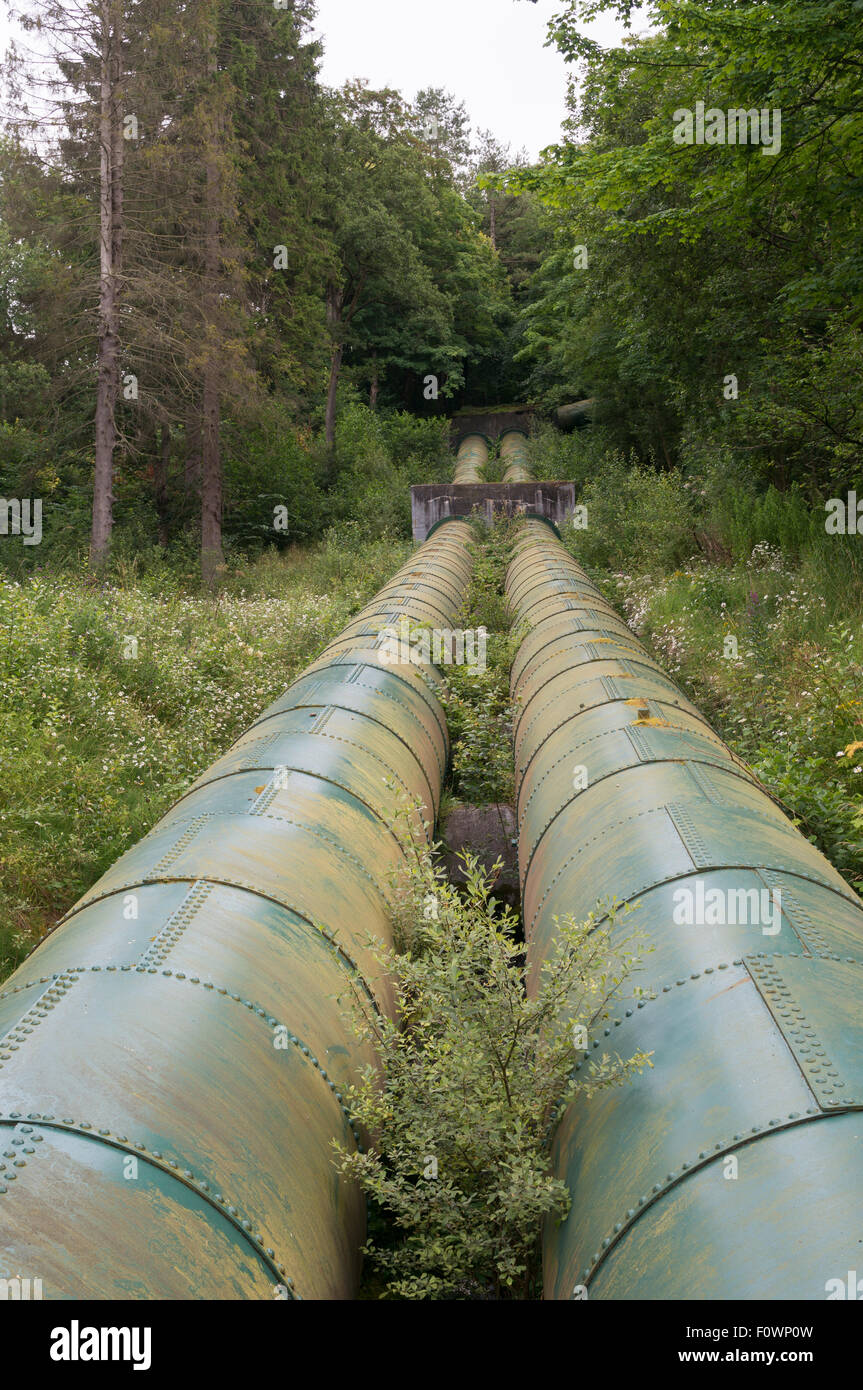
(310, 771)
(687, 1169)
(303, 825)
(165, 940)
(338, 949)
(171, 856)
(585, 708)
(377, 694)
(659, 883)
(810, 1054)
(796, 912)
(615, 698)
(13, 1040)
(219, 990)
(573, 753)
(632, 651)
(170, 1166)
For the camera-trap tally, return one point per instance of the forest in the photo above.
(240, 311)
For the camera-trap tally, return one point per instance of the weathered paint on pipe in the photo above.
(732, 1169)
(513, 450)
(471, 459)
(173, 1056)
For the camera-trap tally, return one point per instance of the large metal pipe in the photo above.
(513, 450)
(173, 1056)
(471, 459)
(732, 1169)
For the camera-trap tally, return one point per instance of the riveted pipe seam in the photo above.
(297, 911)
(690, 1168)
(138, 1151)
(419, 729)
(276, 768)
(675, 813)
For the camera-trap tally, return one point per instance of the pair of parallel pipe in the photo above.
(173, 1057)
(473, 457)
(733, 1168)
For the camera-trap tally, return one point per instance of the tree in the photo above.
(715, 269)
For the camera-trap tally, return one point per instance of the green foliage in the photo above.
(377, 458)
(97, 745)
(479, 715)
(477, 702)
(471, 1079)
(707, 261)
(634, 515)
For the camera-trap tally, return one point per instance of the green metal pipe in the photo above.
(732, 1168)
(173, 1057)
(471, 459)
(513, 450)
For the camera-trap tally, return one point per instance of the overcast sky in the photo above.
(490, 53)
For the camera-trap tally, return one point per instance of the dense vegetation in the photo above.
(208, 260)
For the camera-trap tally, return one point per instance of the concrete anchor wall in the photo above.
(431, 502)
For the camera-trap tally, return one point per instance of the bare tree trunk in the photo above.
(163, 460)
(335, 300)
(211, 459)
(110, 254)
(335, 371)
(192, 462)
(374, 387)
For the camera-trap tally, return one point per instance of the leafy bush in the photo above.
(473, 1076)
(635, 515)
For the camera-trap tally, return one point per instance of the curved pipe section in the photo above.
(732, 1168)
(173, 1056)
(471, 459)
(513, 450)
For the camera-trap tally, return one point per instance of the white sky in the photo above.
(489, 53)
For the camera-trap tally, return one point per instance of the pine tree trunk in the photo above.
(335, 301)
(211, 459)
(192, 461)
(110, 253)
(163, 460)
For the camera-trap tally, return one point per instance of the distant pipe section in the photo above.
(732, 1169)
(174, 1056)
(514, 452)
(471, 459)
